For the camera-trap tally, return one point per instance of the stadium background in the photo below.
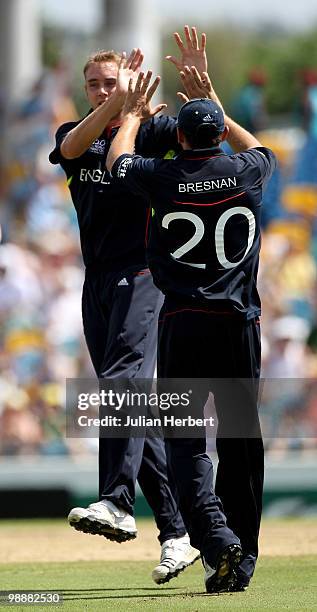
(41, 274)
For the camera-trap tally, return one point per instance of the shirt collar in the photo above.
(201, 153)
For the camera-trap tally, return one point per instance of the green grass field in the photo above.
(281, 582)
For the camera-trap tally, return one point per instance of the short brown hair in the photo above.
(102, 56)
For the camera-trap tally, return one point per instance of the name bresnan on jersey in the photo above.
(211, 185)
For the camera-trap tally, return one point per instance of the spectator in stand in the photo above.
(249, 105)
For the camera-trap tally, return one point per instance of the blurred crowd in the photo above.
(41, 276)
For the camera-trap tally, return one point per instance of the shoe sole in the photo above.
(176, 572)
(225, 577)
(239, 588)
(86, 525)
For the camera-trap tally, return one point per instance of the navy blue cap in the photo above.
(201, 112)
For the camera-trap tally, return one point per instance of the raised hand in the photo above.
(191, 53)
(197, 85)
(128, 68)
(139, 96)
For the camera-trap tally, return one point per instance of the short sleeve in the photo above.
(264, 159)
(136, 173)
(55, 156)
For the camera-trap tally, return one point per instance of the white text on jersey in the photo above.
(95, 175)
(200, 186)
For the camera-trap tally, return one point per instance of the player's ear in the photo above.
(180, 136)
(225, 133)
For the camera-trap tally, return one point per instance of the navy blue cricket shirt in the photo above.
(204, 238)
(112, 219)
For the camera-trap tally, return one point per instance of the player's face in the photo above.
(100, 82)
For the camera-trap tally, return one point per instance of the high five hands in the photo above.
(192, 66)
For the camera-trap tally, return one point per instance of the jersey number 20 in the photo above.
(219, 235)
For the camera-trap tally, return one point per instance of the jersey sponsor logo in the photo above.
(123, 282)
(94, 175)
(98, 146)
(123, 167)
(205, 186)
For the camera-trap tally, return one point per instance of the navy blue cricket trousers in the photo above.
(202, 344)
(120, 312)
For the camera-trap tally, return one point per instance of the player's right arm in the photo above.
(81, 137)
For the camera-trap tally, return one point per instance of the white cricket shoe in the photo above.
(176, 555)
(105, 519)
